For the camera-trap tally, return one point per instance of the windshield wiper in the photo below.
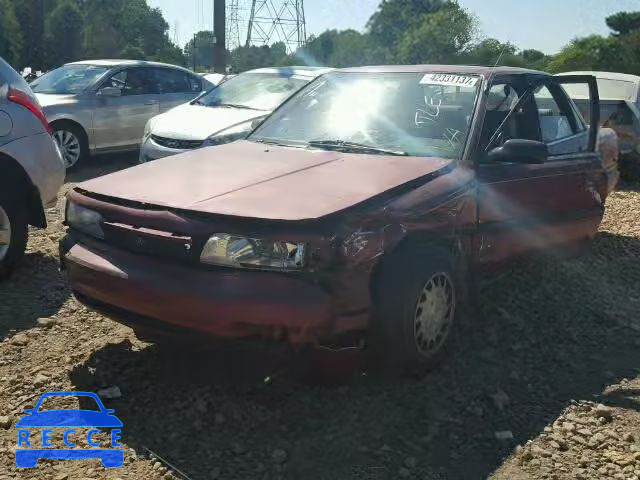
(235, 105)
(354, 147)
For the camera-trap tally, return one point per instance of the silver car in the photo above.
(31, 166)
(103, 105)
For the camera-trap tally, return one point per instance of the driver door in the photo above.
(523, 207)
(119, 121)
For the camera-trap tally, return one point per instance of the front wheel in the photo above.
(416, 300)
(72, 143)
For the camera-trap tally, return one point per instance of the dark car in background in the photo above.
(362, 208)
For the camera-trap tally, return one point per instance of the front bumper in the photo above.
(150, 151)
(141, 291)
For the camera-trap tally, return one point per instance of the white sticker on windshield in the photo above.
(449, 79)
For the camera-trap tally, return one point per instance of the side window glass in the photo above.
(117, 81)
(618, 115)
(196, 84)
(139, 82)
(557, 121)
(520, 124)
(172, 81)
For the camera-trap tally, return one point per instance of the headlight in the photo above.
(229, 135)
(242, 252)
(84, 220)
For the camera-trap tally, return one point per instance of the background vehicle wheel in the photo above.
(72, 142)
(13, 230)
(416, 300)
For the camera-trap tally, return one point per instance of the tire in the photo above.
(417, 297)
(13, 230)
(73, 144)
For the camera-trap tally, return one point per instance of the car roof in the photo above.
(124, 63)
(469, 69)
(606, 75)
(306, 71)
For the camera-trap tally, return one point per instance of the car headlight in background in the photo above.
(230, 134)
(242, 252)
(84, 220)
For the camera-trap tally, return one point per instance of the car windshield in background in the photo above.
(402, 113)
(256, 91)
(608, 89)
(69, 79)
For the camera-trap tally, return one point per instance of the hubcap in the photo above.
(5, 233)
(434, 313)
(69, 146)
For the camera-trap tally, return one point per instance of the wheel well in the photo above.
(407, 243)
(15, 178)
(74, 124)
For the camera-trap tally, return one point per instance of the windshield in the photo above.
(68, 79)
(410, 113)
(257, 91)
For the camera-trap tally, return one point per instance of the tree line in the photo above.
(47, 33)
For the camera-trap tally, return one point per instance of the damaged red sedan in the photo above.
(363, 209)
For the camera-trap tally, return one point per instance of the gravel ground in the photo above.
(545, 384)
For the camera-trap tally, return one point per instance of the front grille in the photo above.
(177, 144)
(148, 242)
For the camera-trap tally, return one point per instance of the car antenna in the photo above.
(495, 66)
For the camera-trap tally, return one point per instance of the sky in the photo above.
(546, 25)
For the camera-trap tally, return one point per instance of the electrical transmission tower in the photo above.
(277, 21)
(234, 20)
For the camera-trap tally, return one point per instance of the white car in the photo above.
(31, 166)
(224, 114)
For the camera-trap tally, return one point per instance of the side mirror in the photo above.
(519, 151)
(110, 92)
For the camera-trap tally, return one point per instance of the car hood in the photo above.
(196, 122)
(69, 418)
(50, 100)
(248, 179)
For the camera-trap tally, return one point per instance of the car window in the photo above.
(556, 119)
(69, 79)
(415, 113)
(169, 80)
(521, 124)
(618, 114)
(133, 81)
(61, 402)
(258, 91)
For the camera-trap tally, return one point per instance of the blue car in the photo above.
(28, 458)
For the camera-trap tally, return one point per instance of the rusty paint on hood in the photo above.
(248, 179)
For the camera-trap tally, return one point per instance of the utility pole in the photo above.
(194, 51)
(219, 33)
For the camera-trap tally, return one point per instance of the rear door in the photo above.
(525, 207)
(119, 121)
(175, 87)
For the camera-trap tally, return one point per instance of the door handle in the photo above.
(151, 102)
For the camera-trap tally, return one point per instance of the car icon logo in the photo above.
(69, 419)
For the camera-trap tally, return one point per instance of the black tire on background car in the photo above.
(416, 300)
(13, 230)
(73, 143)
